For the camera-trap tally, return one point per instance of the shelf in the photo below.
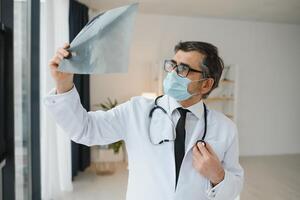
(223, 99)
(229, 116)
(215, 99)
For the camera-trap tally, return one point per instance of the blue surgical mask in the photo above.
(177, 87)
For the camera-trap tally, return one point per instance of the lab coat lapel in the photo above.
(165, 104)
(196, 135)
(199, 130)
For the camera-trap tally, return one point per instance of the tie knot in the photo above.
(182, 111)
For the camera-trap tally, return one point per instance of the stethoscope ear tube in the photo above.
(156, 106)
(205, 122)
(205, 127)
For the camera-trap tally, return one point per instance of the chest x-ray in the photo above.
(103, 45)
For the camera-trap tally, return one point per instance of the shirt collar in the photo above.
(197, 109)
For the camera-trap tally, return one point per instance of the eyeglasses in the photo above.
(182, 69)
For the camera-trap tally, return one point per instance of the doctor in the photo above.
(166, 160)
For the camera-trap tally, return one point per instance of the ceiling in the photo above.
(277, 11)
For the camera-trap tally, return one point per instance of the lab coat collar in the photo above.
(170, 104)
(197, 109)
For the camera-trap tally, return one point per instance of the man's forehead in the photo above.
(192, 58)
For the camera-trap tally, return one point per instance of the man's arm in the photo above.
(231, 186)
(89, 128)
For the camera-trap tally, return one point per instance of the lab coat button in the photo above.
(53, 101)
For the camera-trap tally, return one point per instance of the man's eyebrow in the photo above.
(174, 61)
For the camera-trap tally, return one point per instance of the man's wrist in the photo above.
(219, 178)
(63, 88)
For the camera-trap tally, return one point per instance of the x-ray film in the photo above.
(103, 45)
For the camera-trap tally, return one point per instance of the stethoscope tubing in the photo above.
(156, 106)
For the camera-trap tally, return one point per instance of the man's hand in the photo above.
(64, 81)
(207, 163)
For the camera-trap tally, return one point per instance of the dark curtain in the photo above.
(78, 17)
(7, 100)
(2, 93)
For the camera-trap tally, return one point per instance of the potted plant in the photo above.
(108, 155)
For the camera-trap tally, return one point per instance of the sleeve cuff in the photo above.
(213, 191)
(53, 98)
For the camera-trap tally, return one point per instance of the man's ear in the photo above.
(207, 85)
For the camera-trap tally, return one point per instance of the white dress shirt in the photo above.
(152, 167)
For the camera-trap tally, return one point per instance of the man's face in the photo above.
(194, 60)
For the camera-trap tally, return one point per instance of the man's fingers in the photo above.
(202, 149)
(63, 52)
(210, 149)
(54, 61)
(66, 45)
(59, 55)
(51, 63)
(53, 67)
(196, 152)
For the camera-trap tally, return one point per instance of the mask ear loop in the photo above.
(205, 74)
(203, 79)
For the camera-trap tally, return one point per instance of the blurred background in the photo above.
(259, 41)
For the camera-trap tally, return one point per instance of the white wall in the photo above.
(268, 57)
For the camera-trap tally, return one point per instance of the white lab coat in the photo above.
(152, 167)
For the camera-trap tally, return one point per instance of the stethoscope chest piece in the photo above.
(202, 142)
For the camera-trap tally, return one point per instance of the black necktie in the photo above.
(179, 146)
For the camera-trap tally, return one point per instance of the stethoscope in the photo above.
(157, 107)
